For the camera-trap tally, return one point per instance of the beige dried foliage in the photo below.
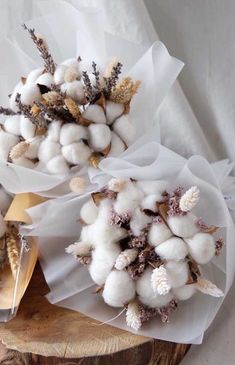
(13, 251)
(125, 90)
(52, 98)
(19, 150)
(72, 108)
(94, 160)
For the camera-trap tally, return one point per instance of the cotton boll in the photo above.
(172, 249)
(7, 141)
(12, 125)
(58, 165)
(184, 292)
(103, 260)
(150, 203)
(201, 247)
(95, 114)
(119, 289)
(146, 294)
(16, 90)
(30, 94)
(78, 249)
(177, 273)
(33, 76)
(76, 153)
(89, 212)
(113, 111)
(158, 233)
(74, 90)
(117, 145)
(125, 129)
(32, 151)
(5, 200)
(139, 221)
(2, 226)
(45, 79)
(71, 62)
(27, 128)
(23, 161)
(72, 133)
(47, 150)
(183, 226)
(99, 136)
(128, 199)
(59, 74)
(150, 187)
(53, 132)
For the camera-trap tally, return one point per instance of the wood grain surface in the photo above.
(45, 334)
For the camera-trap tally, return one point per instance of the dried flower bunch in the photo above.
(66, 115)
(144, 247)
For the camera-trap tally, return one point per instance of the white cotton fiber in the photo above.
(119, 289)
(99, 136)
(117, 145)
(128, 199)
(7, 141)
(183, 226)
(53, 132)
(74, 90)
(59, 74)
(146, 294)
(32, 151)
(71, 132)
(177, 273)
(125, 129)
(89, 212)
(113, 111)
(2, 226)
(201, 247)
(103, 260)
(48, 149)
(29, 94)
(5, 200)
(184, 292)
(150, 203)
(150, 187)
(139, 221)
(76, 153)
(23, 161)
(34, 75)
(79, 249)
(158, 233)
(45, 79)
(95, 114)
(12, 125)
(58, 165)
(27, 128)
(172, 249)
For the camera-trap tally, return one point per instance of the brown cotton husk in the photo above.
(194, 271)
(163, 209)
(94, 159)
(98, 197)
(106, 151)
(23, 80)
(211, 229)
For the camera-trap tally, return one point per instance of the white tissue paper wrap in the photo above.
(84, 35)
(70, 283)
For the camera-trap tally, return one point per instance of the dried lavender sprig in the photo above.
(96, 73)
(26, 110)
(50, 114)
(111, 81)
(88, 86)
(7, 111)
(49, 63)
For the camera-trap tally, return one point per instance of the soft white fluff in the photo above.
(113, 111)
(29, 94)
(117, 145)
(34, 75)
(172, 249)
(177, 272)
(5, 200)
(71, 74)
(158, 233)
(139, 220)
(48, 149)
(103, 260)
(78, 184)
(150, 203)
(94, 113)
(58, 165)
(53, 132)
(89, 212)
(59, 74)
(201, 247)
(99, 136)
(146, 294)
(12, 125)
(45, 79)
(78, 249)
(32, 151)
(75, 63)
(2, 226)
(7, 141)
(74, 90)
(183, 226)
(184, 292)
(119, 289)
(27, 128)
(76, 153)
(23, 161)
(125, 129)
(125, 258)
(150, 187)
(72, 133)
(116, 184)
(128, 199)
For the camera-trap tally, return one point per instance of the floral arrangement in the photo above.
(67, 115)
(145, 248)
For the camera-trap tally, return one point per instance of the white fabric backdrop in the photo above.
(200, 33)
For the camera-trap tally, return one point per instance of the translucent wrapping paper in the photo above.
(84, 36)
(70, 283)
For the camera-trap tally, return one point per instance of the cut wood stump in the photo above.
(44, 334)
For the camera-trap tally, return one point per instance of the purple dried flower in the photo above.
(219, 244)
(120, 220)
(166, 311)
